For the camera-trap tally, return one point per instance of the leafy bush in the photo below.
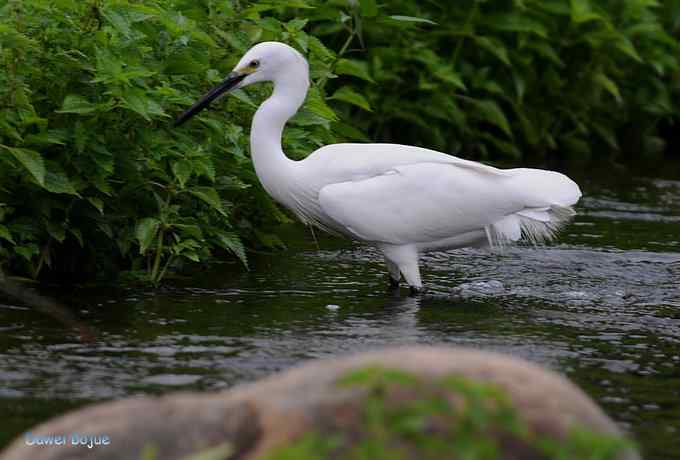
(91, 175)
(518, 80)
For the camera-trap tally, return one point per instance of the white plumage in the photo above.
(404, 200)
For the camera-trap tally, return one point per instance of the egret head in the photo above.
(266, 61)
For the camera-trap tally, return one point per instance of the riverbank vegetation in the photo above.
(95, 182)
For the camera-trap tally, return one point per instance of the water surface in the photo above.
(601, 306)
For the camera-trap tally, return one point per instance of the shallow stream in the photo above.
(601, 306)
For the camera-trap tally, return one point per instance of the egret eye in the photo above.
(254, 64)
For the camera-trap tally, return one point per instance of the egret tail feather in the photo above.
(534, 226)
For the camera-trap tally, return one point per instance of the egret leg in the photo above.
(406, 258)
(394, 273)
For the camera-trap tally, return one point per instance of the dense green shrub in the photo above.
(91, 175)
(525, 78)
(92, 178)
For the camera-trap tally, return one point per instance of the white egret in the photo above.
(404, 200)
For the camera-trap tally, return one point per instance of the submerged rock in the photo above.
(410, 403)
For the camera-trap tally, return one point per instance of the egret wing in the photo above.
(420, 202)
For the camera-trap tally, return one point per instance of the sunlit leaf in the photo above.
(353, 67)
(581, 11)
(137, 101)
(56, 179)
(369, 8)
(317, 105)
(231, 242)
(210, 196)
(145, 231)
(76, 104)
(31, 160)
(627, 47)
(347, 94)
(182, 170)
(401, 18)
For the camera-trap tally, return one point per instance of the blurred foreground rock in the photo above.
(373, 403)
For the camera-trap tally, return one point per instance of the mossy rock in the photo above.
(400, 403)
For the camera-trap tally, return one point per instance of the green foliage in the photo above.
(220, 452)
(404, 417)
(512, 80)
(91, 175)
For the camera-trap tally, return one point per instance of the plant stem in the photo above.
(157, 262)
(342, 51)
(165, 267)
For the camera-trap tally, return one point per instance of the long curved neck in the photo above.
(271, 164)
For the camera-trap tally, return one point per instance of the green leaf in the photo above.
(210, 196)
(517, 23)
(182, 170)
(609, 85)
(191, 230)
(56, 231)
(119, 20)
(5, 234)
(347, 94)
(581, 11)
(401, 18)
(205, 167)
(353, 67)
(27, 251)
(97, 203)
(491, 112)
(575, 145)
(544, 49)
(76, 104)
(145, 232)
(220, 452)
(350, 132)
(448, 75)
(231, 242)
(318, 106)
(296, 24)
(138, 101)
(369, 8)
(31, 160)
(243, 97)
(494, 47)
(194, 257)
(624, 45)
(56, 181)
(50, 137)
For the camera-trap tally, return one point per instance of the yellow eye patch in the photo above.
(251, 67)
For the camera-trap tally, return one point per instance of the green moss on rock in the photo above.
(402, 416)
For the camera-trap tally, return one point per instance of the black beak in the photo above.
(229, 83)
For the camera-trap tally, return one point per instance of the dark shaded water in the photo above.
(602, 306)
